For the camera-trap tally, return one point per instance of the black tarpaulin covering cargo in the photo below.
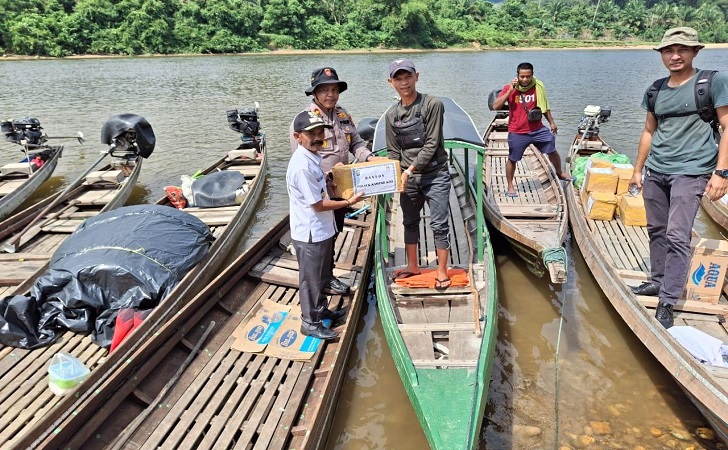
(128, 258)
(217, 189)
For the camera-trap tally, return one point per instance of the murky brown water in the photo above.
(608, 387)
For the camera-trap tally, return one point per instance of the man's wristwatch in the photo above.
(723, 173)
(409, 172)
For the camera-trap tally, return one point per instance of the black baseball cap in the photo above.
(307, 121)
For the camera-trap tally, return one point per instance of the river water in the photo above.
(601, 390)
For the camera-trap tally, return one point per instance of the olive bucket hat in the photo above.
(680, 36)
(325, 75)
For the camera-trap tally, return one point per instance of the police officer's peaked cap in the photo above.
(325, 75)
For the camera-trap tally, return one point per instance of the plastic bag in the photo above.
(65, 372)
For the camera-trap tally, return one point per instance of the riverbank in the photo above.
(286, 52)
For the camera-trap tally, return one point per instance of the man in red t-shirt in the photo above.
(526, 96)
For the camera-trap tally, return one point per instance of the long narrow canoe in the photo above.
(225, 398)
(537, 221)
(443, 342)
(102, 190)
(23, 376)
(17, 183)
(618, 256)
(717, 210)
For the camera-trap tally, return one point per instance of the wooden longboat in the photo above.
(717, 210)
(17, 183)
(618, 256)
(23, 374)
(443, 342)
(224, 398)
(102, 190)
(536, 222)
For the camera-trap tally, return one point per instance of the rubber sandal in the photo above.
(512, 194)
(404, 274)
(439, 283)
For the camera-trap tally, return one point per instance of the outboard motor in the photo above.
(128, 135)
(593, 117)
(26, 131)
(366, 129)
(245, 121)
(492, 97)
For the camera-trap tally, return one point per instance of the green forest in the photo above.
(132, 27)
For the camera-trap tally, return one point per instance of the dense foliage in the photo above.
(64, 27)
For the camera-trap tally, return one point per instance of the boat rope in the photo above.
(554, 254)
(556, 374)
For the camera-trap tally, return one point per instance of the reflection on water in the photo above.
(608, 387)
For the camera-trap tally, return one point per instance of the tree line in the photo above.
(132, 27)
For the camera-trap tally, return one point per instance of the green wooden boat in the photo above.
(443, 342)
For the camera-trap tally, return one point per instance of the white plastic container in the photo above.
(65, 373)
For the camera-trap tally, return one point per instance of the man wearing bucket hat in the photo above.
(312, 223)
(341, 139)
(415, 138)
(682, 162)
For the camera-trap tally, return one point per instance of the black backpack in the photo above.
(704, 103)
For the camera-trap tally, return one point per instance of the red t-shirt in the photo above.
(518, 119)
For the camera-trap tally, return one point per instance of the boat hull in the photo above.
(704, 385)
(536, 222)
(448, 396)
(48, 411)
(11, 201)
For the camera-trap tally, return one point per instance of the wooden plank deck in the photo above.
(537, 218)
(47, 234)
(231, 399)
(41, 404)
(438, 327)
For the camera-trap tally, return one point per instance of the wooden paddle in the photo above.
(10, 245)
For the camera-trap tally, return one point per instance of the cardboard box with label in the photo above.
(632, 211)
(600, 179)
(375, 177)
(707, 270)
(624, 172)
(597, 163)
(601, 205)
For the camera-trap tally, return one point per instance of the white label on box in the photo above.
(605, 170)
(373, 180)
(623, 166)
(724, 199)
(589, 205)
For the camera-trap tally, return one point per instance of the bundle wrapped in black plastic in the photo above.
(128, 258)
(224, 188)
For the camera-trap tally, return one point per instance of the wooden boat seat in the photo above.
(62, 225)
(17, 267)
(22, 168)
(96, 197)
(105, 176)
(688, 305)
(528, 210)
(457, 343)
(443, 363)
(401, 290)
(249, 170)
(10, 186)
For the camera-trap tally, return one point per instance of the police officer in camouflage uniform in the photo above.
(341, 140)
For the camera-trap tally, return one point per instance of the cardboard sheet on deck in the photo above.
(275, 330)
(254, 333)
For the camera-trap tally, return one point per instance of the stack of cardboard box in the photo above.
(605, 191)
